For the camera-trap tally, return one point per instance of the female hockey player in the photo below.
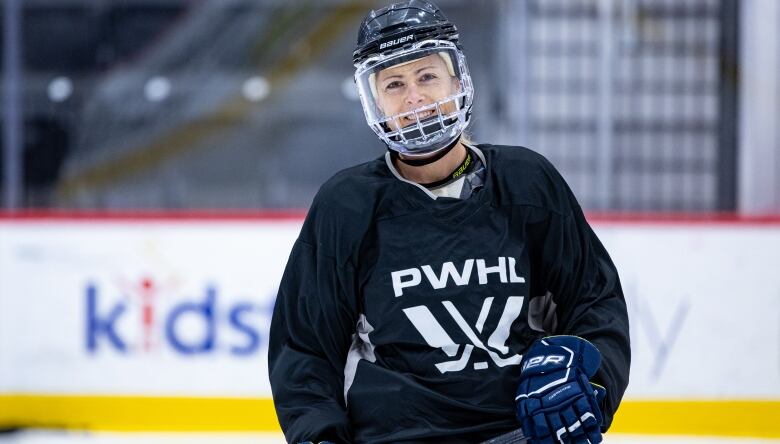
(446, 292)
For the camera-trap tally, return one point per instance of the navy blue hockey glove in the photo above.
(556, 402)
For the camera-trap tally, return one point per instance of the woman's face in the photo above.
(408, 86)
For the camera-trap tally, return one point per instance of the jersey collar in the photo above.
(391, 167)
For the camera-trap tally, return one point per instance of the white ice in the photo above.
(59, 437)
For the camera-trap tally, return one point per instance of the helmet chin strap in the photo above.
(425, 160)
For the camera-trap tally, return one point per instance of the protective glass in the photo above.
(417, 100)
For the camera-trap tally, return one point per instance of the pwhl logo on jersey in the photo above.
(436, 336)
(144, 316)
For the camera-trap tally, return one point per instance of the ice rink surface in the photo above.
(56, 437)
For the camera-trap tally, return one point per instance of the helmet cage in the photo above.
(426, 135)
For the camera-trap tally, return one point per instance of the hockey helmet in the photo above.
(412, 78)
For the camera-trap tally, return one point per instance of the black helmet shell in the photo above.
(399, 25)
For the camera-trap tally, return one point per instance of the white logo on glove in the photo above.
(543, 360)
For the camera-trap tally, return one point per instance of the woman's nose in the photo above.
(414, 95)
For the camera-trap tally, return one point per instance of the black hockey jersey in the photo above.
(403, 318)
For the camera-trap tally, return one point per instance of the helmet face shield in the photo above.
(417, 100)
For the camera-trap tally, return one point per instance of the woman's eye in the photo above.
(393, 85)
(428, 76)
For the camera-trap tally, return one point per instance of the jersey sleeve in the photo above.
(311, 332)
(586, 291)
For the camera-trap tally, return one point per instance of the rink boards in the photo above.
(158, 323)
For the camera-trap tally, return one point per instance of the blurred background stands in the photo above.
(244, 104)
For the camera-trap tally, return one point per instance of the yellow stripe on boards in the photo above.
(138, 413)
(178, 414)
(743, 418)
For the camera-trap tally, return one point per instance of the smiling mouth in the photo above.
(422, 115)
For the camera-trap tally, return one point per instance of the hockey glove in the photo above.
(556, 403)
